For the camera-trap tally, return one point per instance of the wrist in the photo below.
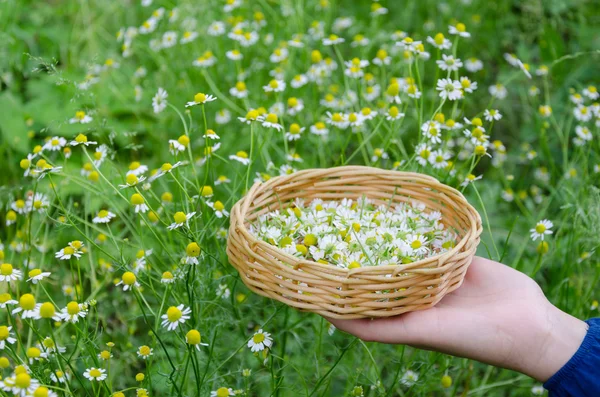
(559, 336)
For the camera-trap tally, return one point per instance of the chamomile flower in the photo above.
(139, 203)
(55, 143)
(470, 179)
(6, 300)
(298, 81)
(166, 168)
(193, 338)
(591, 92)
(28, 307)
(582, 113)
(81, 118)
(449, 89)
(128, 281)
(260, 341)
(449, 63)
(219, 208)
(473, 65)
(223, 116)
(294, 133)
(234, 55)
(180, 219)
(498, 91)
(21, 384)
(188, 37)
(222, 392)
(467, 85)
(175, 316)
(67, 253)
(81, 139)
(216, 28)
(239, 90)
(95, 374)
(333, 40)
(275, 86)
(492, 114)
(36, 275)
(439, 41)
(6, 337)
(409, 378)
(393, 114)
(459, 29)
(240, 156)
(144, 352)
(200, 99)
(73, 312)
(541, 229)
(104, 216)
(159, 101)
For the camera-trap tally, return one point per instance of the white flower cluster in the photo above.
(352, 234)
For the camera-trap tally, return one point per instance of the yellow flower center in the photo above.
(222, 392)
(174, 314)
(27, 302)
(128, 278)
(22, 381)
(98, 155)
(95, 373)
(273, 84)
(416, 244)
(137, 199)
(200, 97)
(179, 217)
(272, 118)
(166, 167)
(320, 125)
(258, 338)
(193, 337)
(208, 190)
(252, 115)
(33, 352)
(167, 275)
(41, 392)
(131, 179)
(540, 228)
(47, 310)
(6, 269)
(73, 308)
(425, 153)
(4, 332)
(144, 350)
(242, 154)
(461, 27)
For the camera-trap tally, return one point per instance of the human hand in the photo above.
(498, 316)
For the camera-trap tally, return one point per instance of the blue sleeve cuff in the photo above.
(580, 376)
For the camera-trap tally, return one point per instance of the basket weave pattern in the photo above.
(372, 291)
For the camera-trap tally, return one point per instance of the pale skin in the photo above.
(499, 316)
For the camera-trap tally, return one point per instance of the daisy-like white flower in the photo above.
(28, 307)
(6, 336)
(239, 90)
(104, 216)
(459, 29)
(36, 275)
(179, 145)
(55, 143)
(159, 101)
(582, 113)
(81, 117)
(417, 243)
(74, 311)
(5, 300)
(211, 134)
(175, 316)
(470, 179)
(132, 180)
(200, 99)
(319, 128)
(95, 374)
(498, 91)
(139, 203)
(449, 63)
(271, 121)
(251, 116)
(188, 37)
(38, 202)
(409, 378)
(275, 86)
(222, 392)
(81, 139)
(591, 92)
(136, 168)
(166, 168)
(449, 89)
(59, 376)
(180, 219)
(128, 281)
(541, 229)
(467, 85)
(68, 252)
(240, 156)
(167, 278)
(333, 40)
(8, 273)
(234, 55)
(21, 384)
(193, 338)
(473, 65)
(144, 352)
(222, 179)
(298, 81)
(492, 114)
(423, 154)
(393, 113)
(219, 208)
(439, 41)
(260, 341)
(339, 120)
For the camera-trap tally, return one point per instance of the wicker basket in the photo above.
(376, 291)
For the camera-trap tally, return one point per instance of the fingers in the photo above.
(384, 330)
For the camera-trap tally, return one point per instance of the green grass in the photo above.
(48, 48)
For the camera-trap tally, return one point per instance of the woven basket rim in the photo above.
(253, 241)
